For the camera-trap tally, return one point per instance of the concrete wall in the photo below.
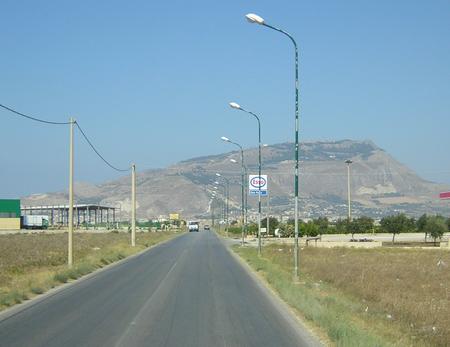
(331, 244)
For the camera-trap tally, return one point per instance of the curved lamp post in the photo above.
(216, 187)
(245, 197)
(227, 197)
(226, 139)
(253, 18)
(238, 107)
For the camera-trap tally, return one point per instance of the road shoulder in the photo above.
(16, 309)
(306, 332)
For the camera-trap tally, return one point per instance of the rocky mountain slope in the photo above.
(379, 184)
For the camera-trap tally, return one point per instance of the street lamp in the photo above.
(349, 216)
(213, 199)
(238, 107)
(268, 203)
(227, 197)
(226, 139)
(253, 18)
(215, 191)
(245, 197)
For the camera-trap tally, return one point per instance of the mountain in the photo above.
(379, 184)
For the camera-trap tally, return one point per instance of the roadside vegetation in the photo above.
(433, 227)
(31, 264)
(364, 297)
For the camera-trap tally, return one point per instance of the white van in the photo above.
(193, 226)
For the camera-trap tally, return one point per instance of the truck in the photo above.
(35, 222)
(193, 226)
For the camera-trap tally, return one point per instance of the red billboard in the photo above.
(444, 195)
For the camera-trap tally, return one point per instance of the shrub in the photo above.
(60, 277)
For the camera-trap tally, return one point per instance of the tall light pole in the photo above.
(253, 18)
(133, 205)
(238, 107)
(268, 203)
(227, 186)
(70, 221)
(213, 198)
(225, 202)
(226, 139)
(222, 207)
(245, 196)
(349, 215)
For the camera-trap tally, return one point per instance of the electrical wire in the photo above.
(97, 152)
(65, 123)
(30, 117)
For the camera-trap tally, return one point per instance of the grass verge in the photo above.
(31, 264)
(364, 297)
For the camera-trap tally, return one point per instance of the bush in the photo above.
(235, 230)
(61, 277)
(37, 290)
(252, 228)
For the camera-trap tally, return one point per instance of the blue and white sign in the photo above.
(257, 183)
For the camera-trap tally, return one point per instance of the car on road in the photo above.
(206, 227)
(193, 226)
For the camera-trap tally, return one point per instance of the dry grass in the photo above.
(31, 264)
(409, 289)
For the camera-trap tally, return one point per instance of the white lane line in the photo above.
(134, 321)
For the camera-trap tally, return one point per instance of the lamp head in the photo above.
(226, 139)
(233, 161)
(254, 18)
(235, 105)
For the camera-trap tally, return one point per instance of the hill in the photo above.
(380, 184)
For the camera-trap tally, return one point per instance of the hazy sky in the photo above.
(150, 81)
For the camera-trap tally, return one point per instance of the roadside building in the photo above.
(9, 214)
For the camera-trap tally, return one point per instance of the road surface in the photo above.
(187, 292)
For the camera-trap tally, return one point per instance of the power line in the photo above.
(64, 123)
(97, 152)
(30, 117)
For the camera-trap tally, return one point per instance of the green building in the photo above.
(9, 208)
(9, 214)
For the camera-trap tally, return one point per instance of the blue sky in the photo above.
(150, 81)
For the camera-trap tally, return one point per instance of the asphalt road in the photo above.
(187, 292)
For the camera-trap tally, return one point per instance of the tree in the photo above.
(322, 224)
(359, 225)
(309, 229)
(288, 230)
(252, 228)
(365, 224)
(420, 224)
(397, 224)
(273, 224)
(435, 227)
(342, 226)
(353, 227)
